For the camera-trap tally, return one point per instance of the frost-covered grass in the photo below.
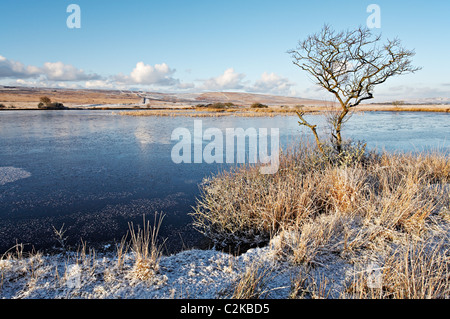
(384, 211)
(137, 270)
(190, 274)
(398, 192)
(417, 270)
(372, 226)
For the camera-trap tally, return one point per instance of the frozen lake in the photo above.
(94, 171)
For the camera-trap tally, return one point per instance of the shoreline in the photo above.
(145, 111)
(358, 246)
(27, 98)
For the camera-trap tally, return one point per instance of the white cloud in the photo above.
(53, 73)
(314, 92)
(273, 84)
(99, 84)
(23, 82)
(56, 71)
(16, 70)
(410, 92)
(45, 83)
(59, 71)
(185, 86)
(230, 80)
(269, 83)
(147, 74)
(159, 74)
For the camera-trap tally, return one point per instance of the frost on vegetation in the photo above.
(352, 241)
(189, 274)
(266, 272)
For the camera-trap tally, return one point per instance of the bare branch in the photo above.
(313, 129)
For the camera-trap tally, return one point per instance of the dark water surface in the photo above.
(95, 172)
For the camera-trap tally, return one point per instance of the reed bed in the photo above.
(267, 112)
(212, 112)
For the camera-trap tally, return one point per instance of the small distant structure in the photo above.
(146, 97)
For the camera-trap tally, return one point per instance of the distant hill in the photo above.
(246, 99)
(26, 97)
(29, 97)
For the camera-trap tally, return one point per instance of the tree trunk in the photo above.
(338, 128)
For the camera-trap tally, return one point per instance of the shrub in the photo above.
(258, 106)
(57, 106)
(46, 103)
(51, 106)
(2, 106)
(45, 100)
(218, 105)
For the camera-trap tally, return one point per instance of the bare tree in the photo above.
(349, 64)
(45, 100)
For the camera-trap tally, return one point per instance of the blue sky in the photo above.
(199, 45)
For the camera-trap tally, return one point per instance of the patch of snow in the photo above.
(191, 274)
(12, 174)
(196, 274)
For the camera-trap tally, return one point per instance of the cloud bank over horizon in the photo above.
(50, 71)
(143, 76)
(161, 77)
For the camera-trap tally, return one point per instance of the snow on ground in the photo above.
(192, 274)
(204, 274)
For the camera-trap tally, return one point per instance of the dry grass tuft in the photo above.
(146, 249)
(415, 270)
(252, 283)
(304, 286)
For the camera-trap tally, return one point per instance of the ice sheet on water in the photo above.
(12, 174)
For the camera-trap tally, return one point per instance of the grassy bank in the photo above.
(359, 225)
(388, 210)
